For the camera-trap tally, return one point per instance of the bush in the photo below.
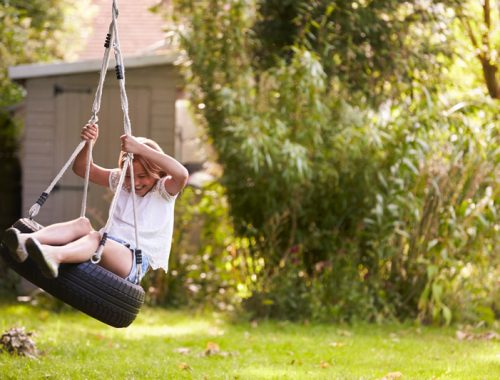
(209, 266)
(347, 209)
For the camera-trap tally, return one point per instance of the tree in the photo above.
(481, 22)
(376, 49)
(34, 31)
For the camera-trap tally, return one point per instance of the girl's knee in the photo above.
(95, 235)
(84, 225)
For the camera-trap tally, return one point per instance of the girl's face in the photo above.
(142, 180)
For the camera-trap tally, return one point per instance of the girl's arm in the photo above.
(97, 175)
(177, 173)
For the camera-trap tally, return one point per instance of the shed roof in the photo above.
(65, 68)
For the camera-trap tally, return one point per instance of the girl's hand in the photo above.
(90, 132)
(130, 144)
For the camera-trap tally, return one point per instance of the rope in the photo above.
(120, 72)
(35, 209)
(112, 40)
(96, 258)
(96, 106)
(138, 254)
(43, 197)
(87, 178)
(120, 76)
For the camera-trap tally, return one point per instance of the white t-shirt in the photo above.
(155, 219)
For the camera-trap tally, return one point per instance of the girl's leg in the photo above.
(55, 234)
(63, 233)
(115, 258)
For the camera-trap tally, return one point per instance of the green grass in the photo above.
(164, 344)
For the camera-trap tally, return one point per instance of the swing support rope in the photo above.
(112, 41)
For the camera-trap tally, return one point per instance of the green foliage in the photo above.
(32, 31)
(433, 231)
(209, 266)
(375, 49)
(351, 210)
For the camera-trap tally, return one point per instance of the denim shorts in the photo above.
(132, 276)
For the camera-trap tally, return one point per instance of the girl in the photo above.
(158, 178)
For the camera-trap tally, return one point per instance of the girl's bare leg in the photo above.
(62, 233)
(116, 257)
(55, 234)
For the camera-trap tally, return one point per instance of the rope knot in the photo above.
(107, 42)
(43, 197)
(96, 258)
(93, 119)
(119, 72)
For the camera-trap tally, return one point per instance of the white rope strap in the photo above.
(96, 106)
(96, 258)
(104, 69)
(120, 72)
(138, 252)
(43, 197)
(83, 209)
(128, 164)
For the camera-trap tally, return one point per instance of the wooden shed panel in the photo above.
(72, 110)
(41, 104)
(160, 108)
(140, 110)
(40, 88)
(39, 147)
(35, 160)
(40, 133)
(38, 178)
(40, 119)
(152, 76)
(111, 125)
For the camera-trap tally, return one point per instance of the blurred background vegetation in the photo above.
(359, 147)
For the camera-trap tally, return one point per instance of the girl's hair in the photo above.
(151, 168)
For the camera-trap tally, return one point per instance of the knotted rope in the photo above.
(128, 164)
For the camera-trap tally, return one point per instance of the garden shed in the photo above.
(58, 103)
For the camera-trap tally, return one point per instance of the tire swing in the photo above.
(86, 286)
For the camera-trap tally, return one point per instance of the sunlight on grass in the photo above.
(186, 328)
(175, 345)
(262, 372)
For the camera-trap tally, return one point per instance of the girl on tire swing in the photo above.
(158, 178)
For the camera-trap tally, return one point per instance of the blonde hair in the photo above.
(151, 168)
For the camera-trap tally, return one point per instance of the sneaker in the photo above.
(48, 267)
(17, 249)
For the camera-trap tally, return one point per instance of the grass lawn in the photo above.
(163, 344)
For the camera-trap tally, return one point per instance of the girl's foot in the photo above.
(47, 265)
(15, 244)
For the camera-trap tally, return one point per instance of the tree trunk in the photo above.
(489, 72)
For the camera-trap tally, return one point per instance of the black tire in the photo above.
(86, 286)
